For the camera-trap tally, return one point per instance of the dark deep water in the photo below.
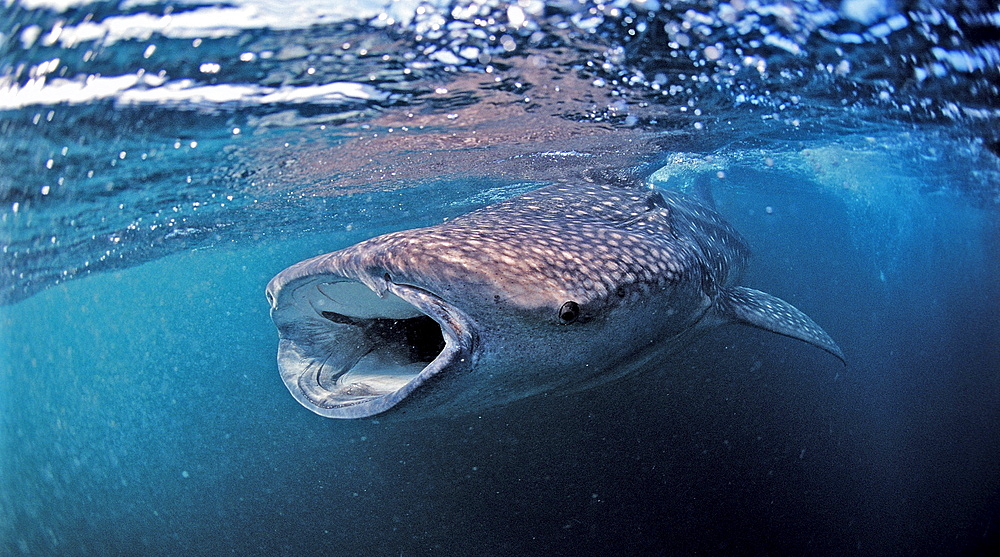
(178, 155)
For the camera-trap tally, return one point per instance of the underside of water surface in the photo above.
(161, 161)
(150, 128)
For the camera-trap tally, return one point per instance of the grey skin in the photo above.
(559, 289)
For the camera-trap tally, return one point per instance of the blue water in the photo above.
(178, 155)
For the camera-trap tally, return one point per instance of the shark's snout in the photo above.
(347, 352)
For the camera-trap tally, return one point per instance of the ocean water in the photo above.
(161, 161)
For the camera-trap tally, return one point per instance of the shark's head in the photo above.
(564, 287)
(520, 286)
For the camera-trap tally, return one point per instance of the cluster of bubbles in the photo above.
(926, 59)
(929, 61)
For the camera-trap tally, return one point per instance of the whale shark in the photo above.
(559, 289)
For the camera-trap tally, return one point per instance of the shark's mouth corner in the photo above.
(346, 352)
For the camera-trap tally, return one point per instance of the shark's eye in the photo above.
(569, 312)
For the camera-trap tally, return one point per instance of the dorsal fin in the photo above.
(759, 309)
(702, 189)
(628, 177)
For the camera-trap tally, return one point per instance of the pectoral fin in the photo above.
(759, 309)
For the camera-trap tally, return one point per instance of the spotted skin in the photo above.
(598, 245)
(638, 268)
(760, 309)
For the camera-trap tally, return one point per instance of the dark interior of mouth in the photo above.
(419, 338)
(344, 346)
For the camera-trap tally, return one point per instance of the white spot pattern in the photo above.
(598, 245)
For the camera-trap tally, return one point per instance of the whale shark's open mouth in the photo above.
(346, 352)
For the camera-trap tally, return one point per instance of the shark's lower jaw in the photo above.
(346, 352)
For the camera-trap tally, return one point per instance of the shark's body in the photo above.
(562, 288)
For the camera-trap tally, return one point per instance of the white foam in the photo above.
(217, 21)
(864, 11)
(54, 5)
(134, 89)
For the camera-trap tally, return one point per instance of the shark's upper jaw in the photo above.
(347, 352)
